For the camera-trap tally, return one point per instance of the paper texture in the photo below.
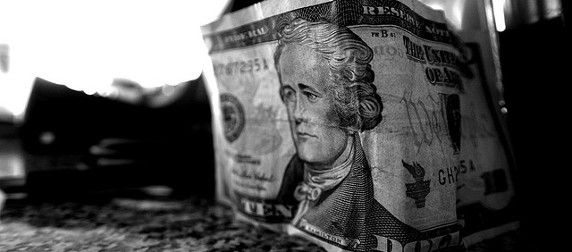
(486, 203)
(344, 122)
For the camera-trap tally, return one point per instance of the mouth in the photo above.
(304, 135)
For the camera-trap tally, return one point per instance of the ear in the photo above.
(370, 106)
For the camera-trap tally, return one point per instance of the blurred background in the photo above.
(105, 94)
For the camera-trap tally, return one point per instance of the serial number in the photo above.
(241, 67)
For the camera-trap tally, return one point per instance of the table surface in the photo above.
(134, 220)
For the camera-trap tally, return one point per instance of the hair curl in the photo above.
(356, 101)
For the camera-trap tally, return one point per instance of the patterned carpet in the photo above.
(135, 221)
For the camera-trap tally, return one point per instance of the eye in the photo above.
(311, 96)
(287, 94)
(310, 92)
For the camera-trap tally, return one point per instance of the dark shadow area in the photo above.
(536, 68)
(73, 143)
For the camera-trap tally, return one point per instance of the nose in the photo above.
(300, 111)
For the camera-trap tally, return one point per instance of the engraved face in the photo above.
(306, 91)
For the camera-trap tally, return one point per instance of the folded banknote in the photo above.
(354, 124)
